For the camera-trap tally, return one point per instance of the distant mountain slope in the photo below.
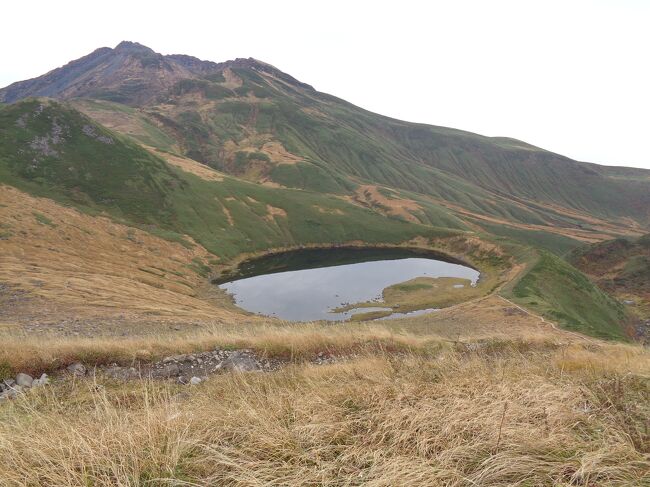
(251, 120)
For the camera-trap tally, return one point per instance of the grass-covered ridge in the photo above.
(52, 150)
(559, 291)
(338, 141)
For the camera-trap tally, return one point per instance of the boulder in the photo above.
(184, 357)
(41, 381)
(24, 380)
(77, 369)
(240, 362)
(195, 380)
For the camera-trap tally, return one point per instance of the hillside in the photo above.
(49, 149)
(620, 267)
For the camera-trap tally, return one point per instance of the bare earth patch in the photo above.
(188, 165)
(232, 80)
(272, 212)
(369, 196)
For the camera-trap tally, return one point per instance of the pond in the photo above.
(310, 284)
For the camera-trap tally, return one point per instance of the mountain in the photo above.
(239, 157)
(249, 119)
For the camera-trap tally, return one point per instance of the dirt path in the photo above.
(545, 321)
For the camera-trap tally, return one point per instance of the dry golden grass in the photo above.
(80, 261)
(496, 416)
(188, 165)
(487, 319)
(35, 354)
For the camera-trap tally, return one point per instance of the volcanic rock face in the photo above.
(130, 73)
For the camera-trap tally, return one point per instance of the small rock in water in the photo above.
(24, 380)
(195, 380)
(77, 368)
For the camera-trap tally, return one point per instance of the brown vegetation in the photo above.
(62, 255)
(188, 165)
(369, 196)
(489, 414)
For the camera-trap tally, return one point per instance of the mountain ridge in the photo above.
(248, 118)
(83, 76)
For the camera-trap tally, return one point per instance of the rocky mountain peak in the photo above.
(130, 73)
(129, 46)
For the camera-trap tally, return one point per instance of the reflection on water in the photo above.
(306, 285)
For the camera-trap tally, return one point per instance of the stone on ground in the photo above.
(24, 380)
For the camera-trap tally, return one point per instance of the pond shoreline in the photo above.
(231, 271)
(322, 284)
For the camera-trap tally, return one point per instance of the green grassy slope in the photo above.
(52, 150)
(559, 291)
(620, 267)
(204, 135)
(339, 141)
(55, 151)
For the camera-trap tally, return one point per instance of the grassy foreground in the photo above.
(517, 413)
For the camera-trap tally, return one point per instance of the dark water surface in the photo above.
(305, 285)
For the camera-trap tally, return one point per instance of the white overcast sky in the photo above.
(572, 76)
